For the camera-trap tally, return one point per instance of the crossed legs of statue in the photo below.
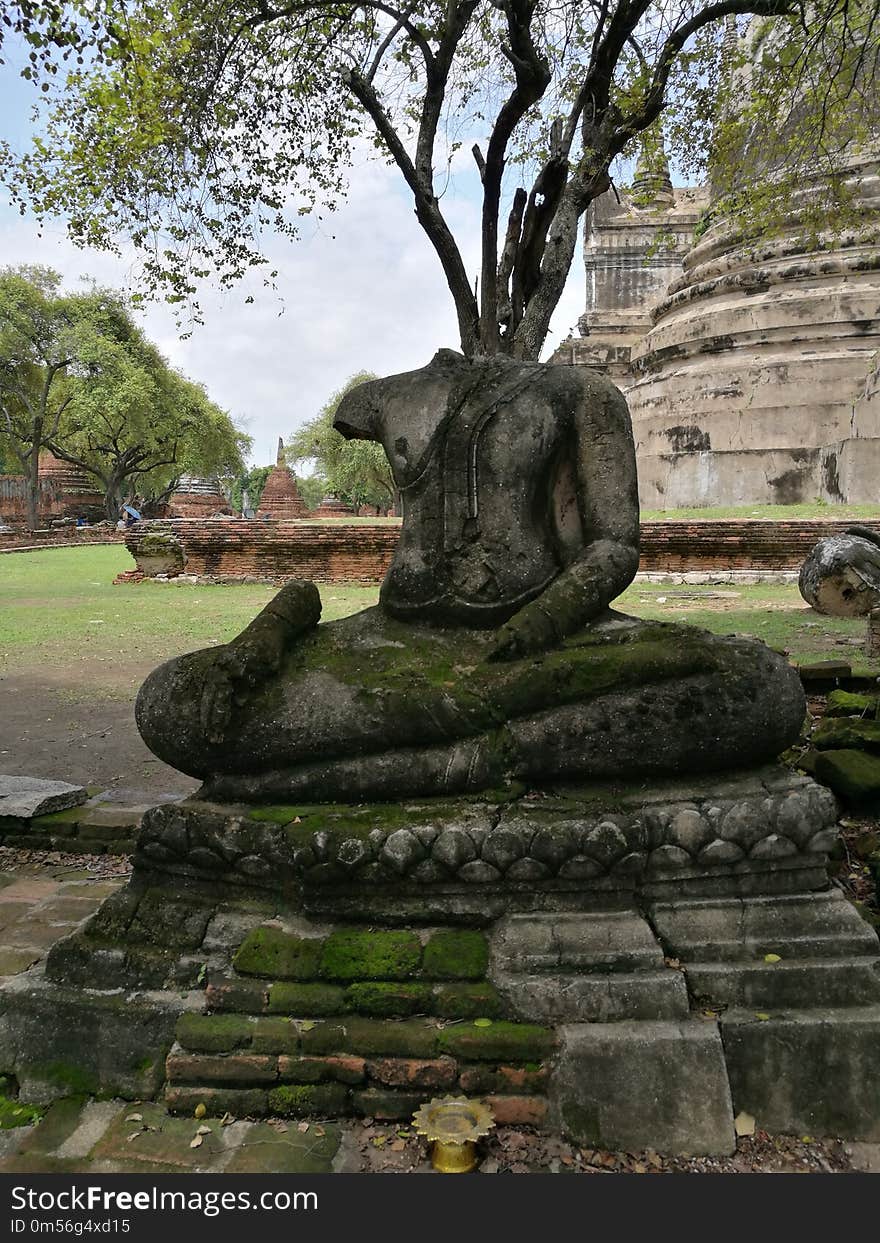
(368, 707)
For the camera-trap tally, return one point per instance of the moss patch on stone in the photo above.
(214, 1033)
(499, 1042)
(370, 955)
(14, 1113)
(839, 733)
(854, 774)
(456, 954)
(368, 1037)
(467, 1001)
(298, 1101)
(275, 1036)
(384, 999)
(273, 953)
(306, 1000)
(852, 703)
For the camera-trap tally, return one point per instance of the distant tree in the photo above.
(78, 376)
(251, 482)
(356, 471)
(39, 334)
(312, 489)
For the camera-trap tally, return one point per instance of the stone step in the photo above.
(818, 925)
(811, 1072)
(633, 1086)
(601, 942)
(595, 998)
(799, 984)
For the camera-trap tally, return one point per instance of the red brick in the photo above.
(405, 1072)
(318, 1069)
(503, 1079)
(518, 1110)
(235, 1068)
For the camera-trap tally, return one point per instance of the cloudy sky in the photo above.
(362, 292)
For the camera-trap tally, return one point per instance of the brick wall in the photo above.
(735, 545)
(340, 551)
(64, 537)
(323, 552)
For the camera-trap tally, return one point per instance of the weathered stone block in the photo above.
(644, 1085)
(815, 1072)
(853, 774)
(26, 797)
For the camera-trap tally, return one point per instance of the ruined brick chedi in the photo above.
(751, 366)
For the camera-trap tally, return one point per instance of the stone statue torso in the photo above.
(490, 513)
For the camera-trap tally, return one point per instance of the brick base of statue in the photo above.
(633, 967)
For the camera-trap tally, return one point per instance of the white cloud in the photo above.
(361, 292)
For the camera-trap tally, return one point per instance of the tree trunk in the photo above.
(33, 478)
(113, 497)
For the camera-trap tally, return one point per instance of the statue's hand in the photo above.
(256, 654)
(529, 631)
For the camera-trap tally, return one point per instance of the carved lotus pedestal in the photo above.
(631, 966)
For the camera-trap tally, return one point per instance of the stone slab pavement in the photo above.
(40, 903)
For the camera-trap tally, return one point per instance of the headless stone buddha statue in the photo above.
(492, 655)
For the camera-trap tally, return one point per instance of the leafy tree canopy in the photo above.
(78, 376)
(191, 126)
(356, 471)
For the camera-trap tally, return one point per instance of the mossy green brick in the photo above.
(387, 1106)
(366, 1037)
(852, 703)
(499, 1042)
(275, 1036)
(275, 954)
(306, 1001)
(386, 999)
(366, 954)
(305, 1100)
(467, 1001)
(214, 1033)
(456, 954)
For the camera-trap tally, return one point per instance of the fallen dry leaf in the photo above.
(744, 1124)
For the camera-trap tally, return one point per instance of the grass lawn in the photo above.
(58, 609)
(773, 513)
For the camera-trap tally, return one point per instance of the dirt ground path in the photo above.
(66, 729)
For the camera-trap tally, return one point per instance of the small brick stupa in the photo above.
(68, 491)
(197, 498)
(281, 499)
(332, 507)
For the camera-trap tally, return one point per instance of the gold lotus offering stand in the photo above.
(452, 1125)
